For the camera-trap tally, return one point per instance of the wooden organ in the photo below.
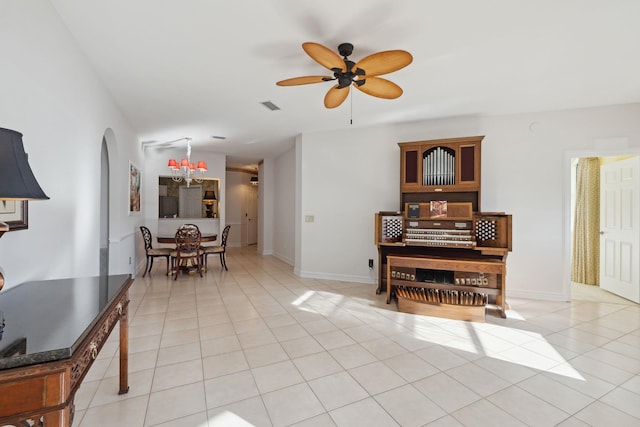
(441, 255)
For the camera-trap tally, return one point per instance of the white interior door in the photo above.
(252, 215)
(620, 228)
(190, 202)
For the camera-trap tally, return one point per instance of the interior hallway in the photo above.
(260, 346)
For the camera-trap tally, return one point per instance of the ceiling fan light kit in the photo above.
(363, 75)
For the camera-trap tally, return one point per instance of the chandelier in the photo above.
(186, 170)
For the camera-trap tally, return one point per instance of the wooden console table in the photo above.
(51, 332)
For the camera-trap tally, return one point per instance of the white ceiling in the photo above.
(200, 68)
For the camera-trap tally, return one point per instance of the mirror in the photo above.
(199, 200)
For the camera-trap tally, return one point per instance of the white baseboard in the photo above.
(337, 277)
(544, 296)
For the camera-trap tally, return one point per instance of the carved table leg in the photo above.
(124, 348)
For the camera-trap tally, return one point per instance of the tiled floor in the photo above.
(259, 346)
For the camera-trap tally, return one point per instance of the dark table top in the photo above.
(172, 239)
(46, 320)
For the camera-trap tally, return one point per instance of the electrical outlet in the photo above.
(371, 263)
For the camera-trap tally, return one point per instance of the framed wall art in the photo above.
(15, 214)
(134, 189)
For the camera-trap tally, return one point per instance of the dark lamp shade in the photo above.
(16, 179)
(209, 196)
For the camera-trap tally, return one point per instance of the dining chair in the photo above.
(187, 249)
(218, 249)
(153, 252)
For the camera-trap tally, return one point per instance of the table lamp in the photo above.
(208, 199)
(17, 182)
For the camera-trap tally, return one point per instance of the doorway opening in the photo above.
(104, 209)
(592, 291)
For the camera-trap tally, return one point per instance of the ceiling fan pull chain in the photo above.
(351, 100)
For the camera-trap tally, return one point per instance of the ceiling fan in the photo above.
(362, 74)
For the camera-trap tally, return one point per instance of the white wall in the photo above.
(266, 209)
(235, 187)
(348, 176)
(284, 199)
(51, 95)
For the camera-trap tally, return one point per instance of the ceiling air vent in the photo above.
(270, 105)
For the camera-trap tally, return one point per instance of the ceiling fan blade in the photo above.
(336, 96)
(303, 80)
(379, 87)
(384, 62)
(324, 56)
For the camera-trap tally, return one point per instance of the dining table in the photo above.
(172, 239)
(203, 238)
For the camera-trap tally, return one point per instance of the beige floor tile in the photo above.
(301, 347)
(230, 388)
(317, 365)
(224, 364)
(410, 367)
(477, 379)
(256, 338)
(441, 357)
(220, 345)
(85, 393)
(179, 353)
(580, 381)
(376, 377)
(333, 339)
(265, 355)
(146, 343)
(319, 325)
(107, 391)
(289, 332)
(526, 407)
(352, 356)
(279, 320)
(484, 413)
(446, 421)
(276, 376)
(323, 420)
(601, 414)
(445, 391)
(173, 338)
(177, 374)
(366, 412)
(246, 413)
(633, 384)
(217, 331)
(383, 348)
(180, 325)
(337, 390)
(137, 362)
(174, 403)
(409, 407)
(292, 404)
(623, 400)
(505, 369)
(129, 412)
(195, 420)
(555, 393)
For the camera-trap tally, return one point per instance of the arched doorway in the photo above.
(104, 209)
